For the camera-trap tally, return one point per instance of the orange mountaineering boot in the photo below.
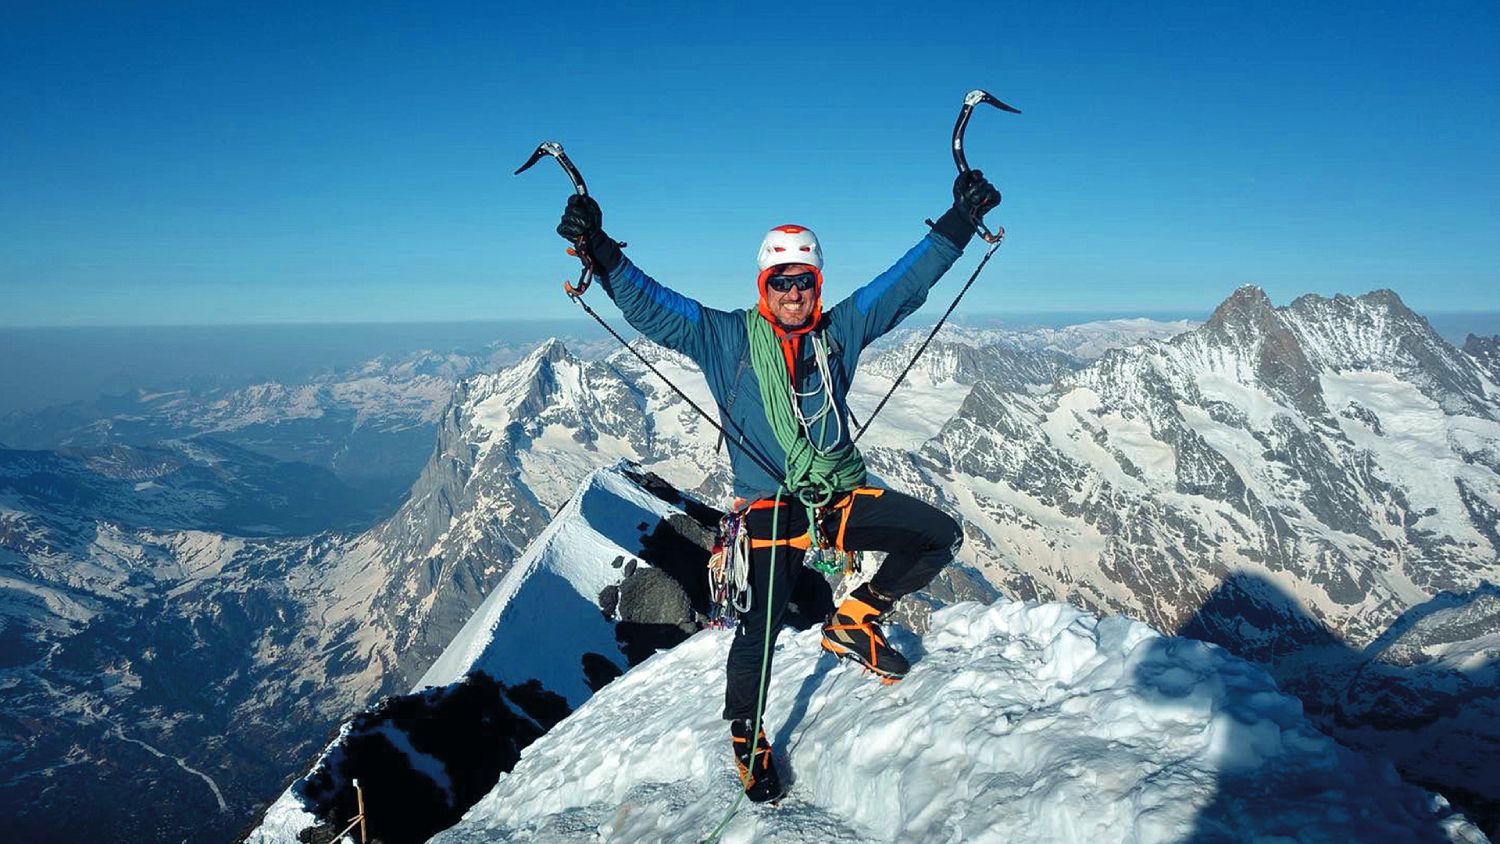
(757, 770)
(853, 633)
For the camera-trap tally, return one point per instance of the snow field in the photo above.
(1419, 448)
(1018, 723)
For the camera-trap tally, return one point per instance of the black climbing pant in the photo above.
(917, 538)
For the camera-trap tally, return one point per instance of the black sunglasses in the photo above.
(783, 283)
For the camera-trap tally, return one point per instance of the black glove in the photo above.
(582, 220)
(974, 195)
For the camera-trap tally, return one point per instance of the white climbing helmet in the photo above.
(790, 245)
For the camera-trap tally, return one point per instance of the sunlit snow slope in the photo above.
(1019, 722)
(545, 611)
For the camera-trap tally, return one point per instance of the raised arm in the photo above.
(893, 295)
(662, 314)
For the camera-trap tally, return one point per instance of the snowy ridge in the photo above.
(1091, 340)
(1083, 340)
(536, 648)
(544, 613)
(1019, 723)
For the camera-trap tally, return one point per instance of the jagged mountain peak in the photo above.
(1245, 316)
(1386, 298)
(1246, 300)
(488, 403)
(1259, 425)
(1288, 349)
(1378, 332)
(1247, 332)
(553, 349)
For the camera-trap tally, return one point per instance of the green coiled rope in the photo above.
(813, 472)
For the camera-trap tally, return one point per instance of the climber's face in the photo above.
(793, 306)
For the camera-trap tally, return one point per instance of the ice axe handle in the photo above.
(555, 149)
(971, 99)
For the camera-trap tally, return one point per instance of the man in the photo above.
(779, 373)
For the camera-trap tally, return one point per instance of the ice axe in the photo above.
(971, 99)
(554, 149)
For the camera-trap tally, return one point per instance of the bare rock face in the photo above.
(1485, 351)
(1247, 322)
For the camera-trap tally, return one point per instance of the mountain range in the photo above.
(1313, 487)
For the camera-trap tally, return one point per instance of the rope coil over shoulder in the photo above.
(816, 468)
(813, 472)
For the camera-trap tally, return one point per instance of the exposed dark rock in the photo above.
(467, 731)
(1485, 350)
(599, 670)
(1247, 320)
(609, 600)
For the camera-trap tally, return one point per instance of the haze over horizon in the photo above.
(55, 365)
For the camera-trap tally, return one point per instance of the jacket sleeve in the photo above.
(893, 295)
(662, 314)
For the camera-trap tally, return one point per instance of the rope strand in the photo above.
(913, 362)
(760, 459)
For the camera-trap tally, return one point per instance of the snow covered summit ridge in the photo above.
(1019, 722)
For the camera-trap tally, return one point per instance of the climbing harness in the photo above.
(729, 588)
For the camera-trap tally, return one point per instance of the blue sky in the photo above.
(218, 163)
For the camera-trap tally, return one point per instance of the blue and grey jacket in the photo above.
(716, 340)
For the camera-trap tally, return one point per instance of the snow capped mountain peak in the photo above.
(1376, 331)
(518, 392)
(1337, 442)
(553, 348)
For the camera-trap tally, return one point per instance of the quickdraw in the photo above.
(729, 589)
